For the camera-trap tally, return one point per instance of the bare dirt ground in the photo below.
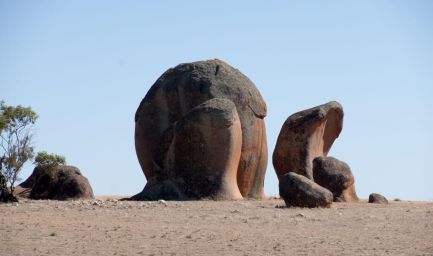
(110, 227)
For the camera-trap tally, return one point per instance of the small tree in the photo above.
(15, 140)
(45, 159)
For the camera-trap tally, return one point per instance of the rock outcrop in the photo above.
(336, 176)
(306, 135)
(172, 109)
(203, 156)
(375, 198)
(299, 191)
(56, 182)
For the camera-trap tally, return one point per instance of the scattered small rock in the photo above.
(300, 215)
(97, 203)
(163, 202)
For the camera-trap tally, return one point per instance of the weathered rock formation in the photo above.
(375, 198)
(193, 148)
(336, 176)
(203, 154)
(306, 135)
(299, 191)
(56, 182)
(303, 144)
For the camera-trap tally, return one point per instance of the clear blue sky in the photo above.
(84, 67)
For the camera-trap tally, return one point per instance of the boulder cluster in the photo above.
(200, 133)
(307, 176)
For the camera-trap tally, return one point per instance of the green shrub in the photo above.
(45, 159)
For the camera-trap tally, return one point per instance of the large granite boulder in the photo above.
(306, 135)
(177, 92)
(336, 176)
(59, 182)
(299, 191)
(202, 159)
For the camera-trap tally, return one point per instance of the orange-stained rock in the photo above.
(183, 88)
(202, 158)
(205, 152)
(306, 135)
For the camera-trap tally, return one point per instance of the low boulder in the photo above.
(299, 191)
(306, 135)
(59, 182)
(375, 198)
(336, 176)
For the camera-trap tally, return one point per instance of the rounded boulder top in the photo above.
(182, 88)
(207, 79)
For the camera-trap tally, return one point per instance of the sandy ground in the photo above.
(110, 227)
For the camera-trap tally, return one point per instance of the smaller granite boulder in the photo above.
(58, 183)
(336, 176)
(377, 199)
(299, 191)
